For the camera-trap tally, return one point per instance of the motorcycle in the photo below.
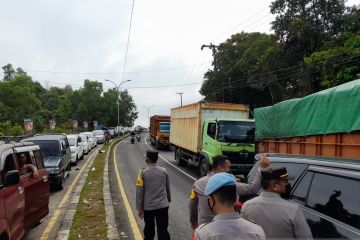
(138, 137)
(132, 139)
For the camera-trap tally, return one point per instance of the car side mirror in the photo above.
(12, 178)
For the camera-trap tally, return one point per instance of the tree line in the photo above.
(23, 98)
(315, 45)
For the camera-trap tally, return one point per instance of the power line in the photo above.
(241, 23)
(117, 73)
(292, 69)
(352, 61)
(128, 40)
(166, 86)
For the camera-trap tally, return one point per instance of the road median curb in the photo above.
(112, 230)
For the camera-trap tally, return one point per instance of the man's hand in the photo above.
(194, 226)
(141, 214)
(264, 161)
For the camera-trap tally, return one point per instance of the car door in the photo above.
(80, 146)
(63, 163)
(68, 152)
(32, 187)
(40, 191)
(13, 198)
(330, 202)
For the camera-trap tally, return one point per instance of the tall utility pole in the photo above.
(180, 93)
(213, 48)
(148, 110)
(117, 87)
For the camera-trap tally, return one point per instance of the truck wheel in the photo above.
(178, 159)
(204, 167)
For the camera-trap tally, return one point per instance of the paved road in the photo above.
(55, 199)
(130, 158)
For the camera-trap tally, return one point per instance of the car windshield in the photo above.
(72, 141)
(164, 127)
(99, 132)
(236, 132)
(48, 148)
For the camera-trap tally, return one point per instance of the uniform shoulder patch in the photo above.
(140, 180)
(193, 194)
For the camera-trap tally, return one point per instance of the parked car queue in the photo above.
(28, 169)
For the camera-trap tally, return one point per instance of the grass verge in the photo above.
(89, 220)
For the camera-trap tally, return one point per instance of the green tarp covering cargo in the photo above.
(333, 112)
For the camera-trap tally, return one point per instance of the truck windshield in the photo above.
(236, 132)
(164, 127)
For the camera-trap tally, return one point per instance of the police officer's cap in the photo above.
(152, 155)
(274, 173)
(218, 181)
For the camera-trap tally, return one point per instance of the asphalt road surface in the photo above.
(54, 201)
(130, 159)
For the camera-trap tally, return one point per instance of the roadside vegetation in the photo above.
(89, 220)
(22, 97)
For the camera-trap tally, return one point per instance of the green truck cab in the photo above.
(201, 131)
(231, 137)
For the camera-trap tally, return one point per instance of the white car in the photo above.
(85, 142)
(92, 139)
(76, 146)
(99, 135)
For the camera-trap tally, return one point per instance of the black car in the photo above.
(328, 189)
(57, 156)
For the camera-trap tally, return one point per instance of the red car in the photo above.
(24, 189)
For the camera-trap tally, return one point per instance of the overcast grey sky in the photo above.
(64, 42)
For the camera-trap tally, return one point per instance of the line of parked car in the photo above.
(28, 169)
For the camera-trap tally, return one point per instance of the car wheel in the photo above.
(203, 167)
(76, 160)
(178, 159)
(60, 185)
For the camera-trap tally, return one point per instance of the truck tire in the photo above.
(178, 159)
(204, 167)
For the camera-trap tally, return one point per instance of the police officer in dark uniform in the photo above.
(153, 197)
(278, 217)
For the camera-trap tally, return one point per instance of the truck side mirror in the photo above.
(12, 178)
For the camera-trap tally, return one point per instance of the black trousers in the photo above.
(161, 216)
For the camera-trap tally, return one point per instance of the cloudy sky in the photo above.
(64, 42)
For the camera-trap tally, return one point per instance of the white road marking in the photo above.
(170, 162)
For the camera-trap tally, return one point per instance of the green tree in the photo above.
(304, 26)
(9, 72)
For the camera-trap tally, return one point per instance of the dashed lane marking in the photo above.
(60, 209)
(131, 217)
(171, 163)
